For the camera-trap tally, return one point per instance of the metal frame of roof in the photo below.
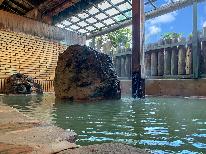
(110, 15)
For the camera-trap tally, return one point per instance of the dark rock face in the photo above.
(85, 74)
(22, 84)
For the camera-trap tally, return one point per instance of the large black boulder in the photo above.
(85, 74)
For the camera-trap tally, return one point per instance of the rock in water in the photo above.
(85, 74)
(22, 84)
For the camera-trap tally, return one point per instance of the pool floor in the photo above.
(163, 125)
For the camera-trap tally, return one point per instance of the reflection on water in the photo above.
(164, 125)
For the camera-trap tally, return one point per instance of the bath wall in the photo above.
(169, 87)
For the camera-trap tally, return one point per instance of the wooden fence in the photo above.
(164, 60)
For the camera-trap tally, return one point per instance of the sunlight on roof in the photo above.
(101, 16)
(116, 1)
(105, 14)
(104, 5)
(83, 15)
(112, 11)
(91, 20)
(93, 10)
(66, 23)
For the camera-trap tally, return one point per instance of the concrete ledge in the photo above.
(169, 87)
(176, 87)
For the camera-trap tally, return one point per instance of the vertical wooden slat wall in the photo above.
(30, 55)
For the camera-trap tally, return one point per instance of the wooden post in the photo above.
(122, 66)
(203, 58)
(189, 60)
(118, 66)
(147, 64)
(174, 61)
(128, 66)
(181, 60)
(160, 62)
(137, 47)
(154, 64)
(167, 61)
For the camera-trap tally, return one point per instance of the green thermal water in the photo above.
(163, 125)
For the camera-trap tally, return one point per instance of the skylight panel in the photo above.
(75, 27)
(116, 1)
(124, 6)
(99, 25)
(104, 5)
(82, 24)
(101, 16)
(69, 29)
(120, 17)
(128, 14)
(66, 23)
(83, 15)
(90, 28)
(91, 20)
(75, 19)
(112, 11)
(93, 10)
(109, 21)
(82, 31)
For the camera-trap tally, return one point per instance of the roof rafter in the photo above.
(75, 9)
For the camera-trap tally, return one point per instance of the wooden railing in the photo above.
(164, 60)
(47, 85)
(122, 62)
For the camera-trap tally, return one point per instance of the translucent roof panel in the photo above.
(106, 14)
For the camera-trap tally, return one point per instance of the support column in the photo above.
(137, 43)
(195, 51)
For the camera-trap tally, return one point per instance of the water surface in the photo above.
(163, 125)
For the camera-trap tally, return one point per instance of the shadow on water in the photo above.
(164, 125)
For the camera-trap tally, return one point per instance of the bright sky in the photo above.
(178, 21)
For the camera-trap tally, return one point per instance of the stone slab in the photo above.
(105, 148)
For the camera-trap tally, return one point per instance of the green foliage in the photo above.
(120, 37)
(171, 35)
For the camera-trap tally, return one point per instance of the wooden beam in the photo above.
(66, 4)
(137, 17)
(37, 12)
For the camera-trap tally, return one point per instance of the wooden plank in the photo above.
(61, 7)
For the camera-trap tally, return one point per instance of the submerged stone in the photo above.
(85, 74)
(22, 84)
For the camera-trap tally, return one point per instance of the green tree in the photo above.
(171, 35)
